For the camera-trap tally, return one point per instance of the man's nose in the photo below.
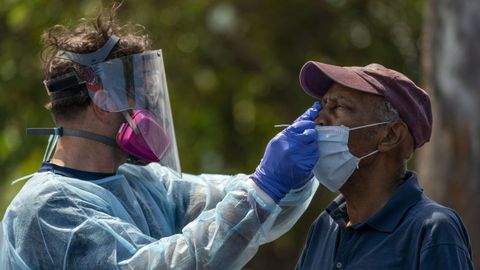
(321, 119)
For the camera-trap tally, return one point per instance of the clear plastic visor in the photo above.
(137, 82)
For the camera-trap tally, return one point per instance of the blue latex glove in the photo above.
(312, 113)
(290, 157)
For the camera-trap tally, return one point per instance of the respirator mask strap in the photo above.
(60, 131)
(130, 121)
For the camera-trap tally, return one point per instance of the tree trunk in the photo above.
(449, 166)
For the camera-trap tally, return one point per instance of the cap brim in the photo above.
(316, 78)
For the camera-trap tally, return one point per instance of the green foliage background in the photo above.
(232, 69)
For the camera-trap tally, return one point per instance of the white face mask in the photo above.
(336, 164)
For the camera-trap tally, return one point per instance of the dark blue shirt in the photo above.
(409, 232)
(74, 173)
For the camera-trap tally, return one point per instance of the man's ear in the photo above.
(397, 136)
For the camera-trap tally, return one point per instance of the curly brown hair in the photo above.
(87, 36)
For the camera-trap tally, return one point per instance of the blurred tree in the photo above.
(450, 164)
(232, 69)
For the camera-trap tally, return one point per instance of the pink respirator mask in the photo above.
(142, 137)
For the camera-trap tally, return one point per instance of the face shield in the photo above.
(136, 86)
(133, 85)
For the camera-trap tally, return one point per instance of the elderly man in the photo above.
(373, 118)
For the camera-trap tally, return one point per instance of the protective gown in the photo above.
(142, 218)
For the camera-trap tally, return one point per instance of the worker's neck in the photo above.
(87, 155)
(368, 190)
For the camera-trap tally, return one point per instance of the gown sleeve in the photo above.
(221, 221)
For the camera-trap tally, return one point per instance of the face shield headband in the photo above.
(133, 85)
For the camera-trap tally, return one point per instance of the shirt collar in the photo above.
(337, 210)
(73, 173)
(387, 218)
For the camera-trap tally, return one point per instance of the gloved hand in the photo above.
(289, 158)
(312, 113)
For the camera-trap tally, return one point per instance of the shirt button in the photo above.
(339, 265)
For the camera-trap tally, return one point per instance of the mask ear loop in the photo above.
(365, 126)
(369, 125)
(367, 155)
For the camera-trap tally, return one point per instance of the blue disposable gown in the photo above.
(142, 218)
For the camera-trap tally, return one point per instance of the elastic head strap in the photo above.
(89, 59)
(91, 136)
(69, 81)
(72, 132)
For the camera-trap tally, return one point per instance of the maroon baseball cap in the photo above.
(411, 101)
